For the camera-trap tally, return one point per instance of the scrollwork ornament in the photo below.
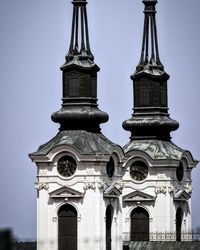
(89, 185)
(160, 190)
(41, 185)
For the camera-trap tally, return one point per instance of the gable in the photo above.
(181, 195)
(138, 196)
(112, 192)
(65, 192)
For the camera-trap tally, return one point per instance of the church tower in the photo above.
(91, 193)
(78, 171)
(157, 173)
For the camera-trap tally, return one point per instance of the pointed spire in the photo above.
(150, 119)
(150, 51)
(79, 44)
(80, 109)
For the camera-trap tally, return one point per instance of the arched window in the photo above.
(139, 225)
(67, 228)
(179, 218)
(109, 219)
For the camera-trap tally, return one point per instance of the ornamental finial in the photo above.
(150, 51)
(79, 44)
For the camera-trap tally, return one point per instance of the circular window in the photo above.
(66, 166)
(139, 171)
(180, 172)
(110, 167)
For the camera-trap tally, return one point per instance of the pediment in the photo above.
(65, 192)
(137, 196)
(181, 195)
(112, 192)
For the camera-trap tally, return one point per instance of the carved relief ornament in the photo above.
(41, 185)
(160, 190)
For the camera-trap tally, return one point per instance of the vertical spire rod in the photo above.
(82, 31)
(147, 40)
(152, 40)
(72, 31)
(156, 41)
(77, 24)
(87, 31)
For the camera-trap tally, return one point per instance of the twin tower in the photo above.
(93, 194)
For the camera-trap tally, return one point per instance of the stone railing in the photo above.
(164, 237)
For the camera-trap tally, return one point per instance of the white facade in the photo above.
(87, 191)
(90, 191)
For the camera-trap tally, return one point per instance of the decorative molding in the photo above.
(90, 171)
(41, 185)
(127, 220)
(54, 219)
(161, 190)
(161, 176)
(171, 190)
(66, 193)
(89, 185)
(138, 197)
(42, 171)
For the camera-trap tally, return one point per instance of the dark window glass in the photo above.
(139, 171)
(180, 172)
(110, 167)
(66, 166)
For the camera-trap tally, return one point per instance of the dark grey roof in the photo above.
(78, 61)
(156, 149)
(83, 141)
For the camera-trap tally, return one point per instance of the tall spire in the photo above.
(79, 109)
(80, 44)
(150, 119)
(150, 52)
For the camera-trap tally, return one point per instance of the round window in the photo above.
(110, 167)
(180, 172)
(139, 171)
(66, 166)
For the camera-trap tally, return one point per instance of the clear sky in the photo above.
(34, 38)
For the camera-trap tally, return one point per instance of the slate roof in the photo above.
(83, 141)
(156, 149)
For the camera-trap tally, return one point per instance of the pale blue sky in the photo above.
(33, 43)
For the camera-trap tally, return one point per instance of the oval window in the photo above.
(110, 167)
(180, 172)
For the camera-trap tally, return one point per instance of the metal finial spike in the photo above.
(79, 44)
(150, 51)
